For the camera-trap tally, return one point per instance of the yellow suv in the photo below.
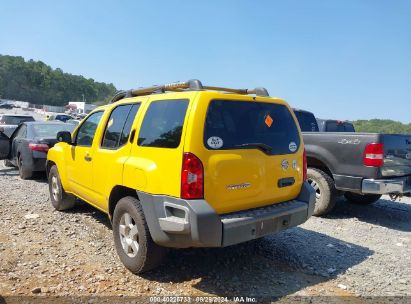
(185, 165)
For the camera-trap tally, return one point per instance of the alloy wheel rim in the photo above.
(129, 235)
(316, 187)
(55, 188)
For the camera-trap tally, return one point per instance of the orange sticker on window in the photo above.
(268, 121)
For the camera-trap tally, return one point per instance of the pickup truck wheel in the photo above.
(362, 199)
(24, 171)
(59, 198)
(8, 163)
(326, 194)
(134, 245)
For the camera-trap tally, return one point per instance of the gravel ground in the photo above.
(355, 251)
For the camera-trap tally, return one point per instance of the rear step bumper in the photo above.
(178, 223)
(397, 185)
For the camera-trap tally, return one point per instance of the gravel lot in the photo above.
(355, 251)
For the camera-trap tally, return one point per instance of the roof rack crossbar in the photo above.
(193, 85)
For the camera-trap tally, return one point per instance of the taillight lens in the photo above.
(39, 147)
(374, 155)
(192, 177)
(304, 165)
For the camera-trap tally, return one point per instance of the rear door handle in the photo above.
(87, 158)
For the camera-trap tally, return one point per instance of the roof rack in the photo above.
(190, 85)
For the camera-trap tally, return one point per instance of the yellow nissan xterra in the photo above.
(185, 165)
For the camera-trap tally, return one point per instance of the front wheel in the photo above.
(134, 245)
(362, 199)
(325, 192)
(59, 198)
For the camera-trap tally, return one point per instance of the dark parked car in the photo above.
(63, 117)
(27, 147)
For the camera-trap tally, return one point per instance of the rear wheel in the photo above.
(59, 198)
(24, 171)
(361, 199)
(134, 245)
(325, 192)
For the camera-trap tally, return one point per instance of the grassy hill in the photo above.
(382, 126)
(36, 82)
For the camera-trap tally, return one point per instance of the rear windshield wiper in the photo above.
(265, 148)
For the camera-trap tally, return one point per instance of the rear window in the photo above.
(334, 126)
(14, 120)
(50, 130)
(163, 124)
(307, 121)
(250, 125)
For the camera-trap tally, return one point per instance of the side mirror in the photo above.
(1, 130)
(64, 136)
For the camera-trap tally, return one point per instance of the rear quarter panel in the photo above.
(342, 153)
(157, 170)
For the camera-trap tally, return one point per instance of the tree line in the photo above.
(382, 126)
(38, 83)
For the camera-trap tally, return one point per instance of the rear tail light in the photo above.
(374, 155)
(39, 147)
(192, 177)
(304, 165)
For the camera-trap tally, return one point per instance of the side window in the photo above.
(85, 133)
(119, 126)
(163, 124)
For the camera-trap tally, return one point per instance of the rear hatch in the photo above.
(397, 155)
(252, 154)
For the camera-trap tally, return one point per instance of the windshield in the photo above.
(334, 126)
(307, 121)
(14, 120)
(51, 130)
(250, 125)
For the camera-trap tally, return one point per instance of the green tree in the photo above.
(38, 83)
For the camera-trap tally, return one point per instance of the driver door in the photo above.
(79, 157)
(4, 146)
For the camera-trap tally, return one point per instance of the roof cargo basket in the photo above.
(190, 85)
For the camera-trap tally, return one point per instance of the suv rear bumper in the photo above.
(174, 222)
(396, 185)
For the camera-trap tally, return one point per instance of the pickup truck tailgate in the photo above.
(397, 155)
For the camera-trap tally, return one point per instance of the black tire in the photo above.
(59, 199)
(362, 199)
(24, 171)
(8, 163)
(326, 194)
(148, 255)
